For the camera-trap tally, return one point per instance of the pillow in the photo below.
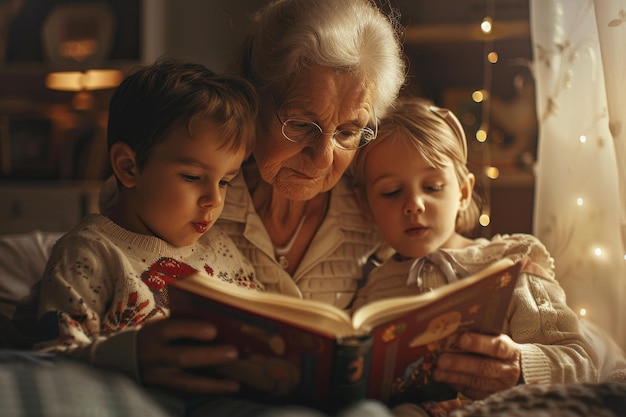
(23, 258)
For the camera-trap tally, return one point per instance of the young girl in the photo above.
(414, 184)
(177, 134)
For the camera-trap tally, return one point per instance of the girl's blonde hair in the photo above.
(436, 134)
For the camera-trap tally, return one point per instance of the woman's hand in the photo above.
(483, 365)
(162, 358)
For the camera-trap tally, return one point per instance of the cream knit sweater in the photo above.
(554, 348)
(102, 282)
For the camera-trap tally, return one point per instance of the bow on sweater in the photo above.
(449, 267)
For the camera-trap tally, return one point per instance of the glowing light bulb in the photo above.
(484, 220)
(492, 172)
(598, 251)
(582, 312)
(492, 57)
(486, 25)
(579, 201)
(582, 138)
(478, 96)
(481, 135)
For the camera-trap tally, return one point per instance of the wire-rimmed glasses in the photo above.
(305, 131)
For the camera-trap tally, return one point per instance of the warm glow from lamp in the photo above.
(64, 81)
(582, 312)
(484, 220)
(492, 57)
(579, 201)
(481, 135)
(95, 79)
(582, 138)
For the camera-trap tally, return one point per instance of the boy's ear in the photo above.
(361, 199)
(124, 164)
(466, 191)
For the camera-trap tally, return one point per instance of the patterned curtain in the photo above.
(579, 51)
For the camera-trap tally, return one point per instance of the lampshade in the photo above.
(94, 79)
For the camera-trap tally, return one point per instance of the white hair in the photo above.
(345, 35)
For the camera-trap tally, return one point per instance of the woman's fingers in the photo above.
(485, 365)
(168, 349)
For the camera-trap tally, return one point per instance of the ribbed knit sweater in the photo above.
(554, 348)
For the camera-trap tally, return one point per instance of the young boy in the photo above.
(177, 134)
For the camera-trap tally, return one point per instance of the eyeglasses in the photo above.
(304, 131)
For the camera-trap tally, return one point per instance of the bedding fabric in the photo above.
(37, 385)
(607, 399)
(23, 258)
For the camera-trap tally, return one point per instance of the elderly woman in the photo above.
(325, 71)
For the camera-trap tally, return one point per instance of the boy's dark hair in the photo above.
(156, 98)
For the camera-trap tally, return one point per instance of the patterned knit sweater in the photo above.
(554, 347)
(102, 282)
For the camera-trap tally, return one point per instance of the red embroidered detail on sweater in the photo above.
(127, 315)
(164, 271)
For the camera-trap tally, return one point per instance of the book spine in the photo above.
(350, 372)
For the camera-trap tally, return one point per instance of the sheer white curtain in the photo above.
(579, 51)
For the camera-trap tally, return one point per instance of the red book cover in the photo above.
(405, 350)
(279, 361)
(294, 351)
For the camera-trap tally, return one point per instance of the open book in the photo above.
(314, 354)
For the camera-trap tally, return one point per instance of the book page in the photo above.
(313, 315)
(377, 312)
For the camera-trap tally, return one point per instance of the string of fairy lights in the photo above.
(482, 97)
(481, 135)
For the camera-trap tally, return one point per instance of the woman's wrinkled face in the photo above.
(332, 100)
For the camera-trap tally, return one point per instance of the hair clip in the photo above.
(452, 121)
